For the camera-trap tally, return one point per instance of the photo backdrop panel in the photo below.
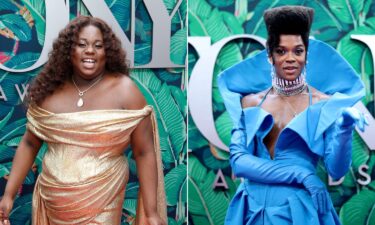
(210, 181)
(22, 37)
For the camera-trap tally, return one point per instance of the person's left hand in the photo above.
(155, 220)
(351, 116)
(318, 192)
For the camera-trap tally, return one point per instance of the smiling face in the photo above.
(289, 57)
(88, 54)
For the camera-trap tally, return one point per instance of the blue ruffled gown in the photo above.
(274, 197)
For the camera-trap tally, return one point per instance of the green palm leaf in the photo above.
(22, 60)
(180, 15)
(199, 11)
(121, 11)
(3, 170)
(37, 9)
(210, 161)
(224, 126)
(241, 11)
(7, 5)
(142, 53)
(130, 205)
(196, 140)
(12, 130)
(323, 17)
(21, 212)
(132, 190)
(174, 181)
(14, 142)
(6, 153)
(221, 3)
(82, 9)
(17, 25)
(213, 25)
(180, 98)
(169, 75)
(347, 11)
(232, 23)
(206, 206)
(360, 155)
(359, 210)
(178, 47)
(170, 120)
(4, 121)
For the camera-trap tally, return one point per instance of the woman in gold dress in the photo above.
(85, 106)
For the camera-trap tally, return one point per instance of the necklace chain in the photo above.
(290, 106)
(292, 109)
(81, 93)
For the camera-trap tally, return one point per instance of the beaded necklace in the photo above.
(289, 87)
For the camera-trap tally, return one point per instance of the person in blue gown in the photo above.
(291, 105)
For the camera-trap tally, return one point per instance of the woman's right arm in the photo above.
(22, 162)
(246, 165)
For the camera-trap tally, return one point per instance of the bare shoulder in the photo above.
(130, 95)
(318, 96)
(252, 100)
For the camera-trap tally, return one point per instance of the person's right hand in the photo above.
(155, 220)
(318, 192)
(6, 204)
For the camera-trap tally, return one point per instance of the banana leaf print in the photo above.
(334, 23)
(22, 34)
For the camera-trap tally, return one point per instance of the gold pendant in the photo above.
(80, 102)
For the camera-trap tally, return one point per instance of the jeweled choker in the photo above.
(289, 87)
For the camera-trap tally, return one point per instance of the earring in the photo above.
(303, 73)
(273, 73)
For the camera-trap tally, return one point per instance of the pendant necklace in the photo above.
(81, 93)
(290, 106)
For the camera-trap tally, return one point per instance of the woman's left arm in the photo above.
(142, 142)
(338, 142)
(145, 156)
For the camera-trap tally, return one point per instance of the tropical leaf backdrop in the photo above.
(22, 29)
(334, 22)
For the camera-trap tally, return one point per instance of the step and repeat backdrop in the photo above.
(222, 33)
(154, 35)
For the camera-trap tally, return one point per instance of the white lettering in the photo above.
(200, 84)
(362, 171)
(332, 182)
(23, 93)
(220, 180)
(2, 94)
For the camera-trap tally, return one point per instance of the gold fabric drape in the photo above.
(84, 169)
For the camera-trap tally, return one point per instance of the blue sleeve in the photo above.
(246, 165)
(338, 150)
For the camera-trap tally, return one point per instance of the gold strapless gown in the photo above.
(84, 169)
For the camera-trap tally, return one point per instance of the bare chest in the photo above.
(68, 99)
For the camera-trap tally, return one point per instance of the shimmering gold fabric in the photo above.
(84, 169)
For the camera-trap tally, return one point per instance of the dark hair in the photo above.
(59, 68)
(287, 20)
